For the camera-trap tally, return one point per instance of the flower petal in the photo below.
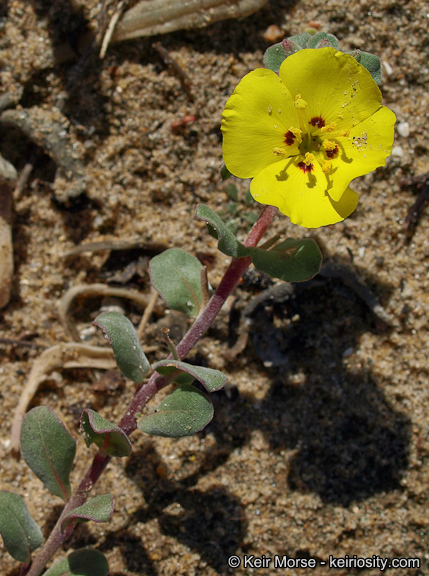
(301, 195)
(335, 87)
(255, 121)
(365, 149)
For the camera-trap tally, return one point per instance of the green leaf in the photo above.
(176, 275)
(85, 562)
(232, 208)
(252, 217)
(123, 338)
(175, 375)
(228, 243)
(183, 413)
(370, 62)
(19, 531)
(290, 260)
(301, 39)
(48, 449)
(248, 199)
(225, 173)
(98, 509)
(212, 380)
(104, 434)
(276, 54)
(232, 192)
(323, 40)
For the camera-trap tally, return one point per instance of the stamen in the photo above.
(293, 135)
(329, 145)
(329, 127)
(300, 105)
(332, 153)
(326, 166)
(296, 132)
(331, 148)
(309, 158)
(280, 151)
(299, 102)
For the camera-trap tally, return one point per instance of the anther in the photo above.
(299, 102)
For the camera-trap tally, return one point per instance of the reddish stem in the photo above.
(128, 422)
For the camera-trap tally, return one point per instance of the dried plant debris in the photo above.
(163, 16)
(91, 290)
(8, 178)
(49, 130)
(66, 355)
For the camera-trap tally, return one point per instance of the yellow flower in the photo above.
(304, 135)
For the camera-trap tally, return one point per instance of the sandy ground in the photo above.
(320, 444)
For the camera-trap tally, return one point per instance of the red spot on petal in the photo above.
(317, 121)
(290, 138)
(332, 153)
(306, 168)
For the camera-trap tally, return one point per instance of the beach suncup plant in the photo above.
(305, 134)
(302, 130)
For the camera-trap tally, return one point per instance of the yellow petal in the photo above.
(363, 150)
(255, 121)
(301, 195)
(335, 87)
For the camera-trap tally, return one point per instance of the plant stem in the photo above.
(128, 422)
(230, 280)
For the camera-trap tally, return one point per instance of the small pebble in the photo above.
(397, 151)
(387, 68)
(403, 129)
(273, 34)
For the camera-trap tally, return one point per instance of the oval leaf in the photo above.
(86, 562)
(370, 62)
(323, 40)
(290, 260)
(19, 531)
(182, 413)
(176, 276)
(228, 243)
(212, 380)
(107, 436)
(301, 39)
(225, 173)
(120, 332)
(175, 375)
(98, 509)
(275, 55)
(48, 449)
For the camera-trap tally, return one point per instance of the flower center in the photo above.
(312, 138)
(316, 144)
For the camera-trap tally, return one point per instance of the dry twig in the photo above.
(153, 17)
(8, 177)
(66, 355)
(92, 290)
